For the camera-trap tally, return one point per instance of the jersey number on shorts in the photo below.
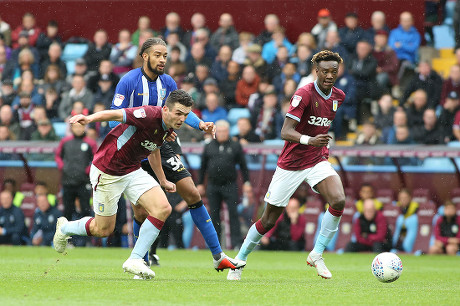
(175, 163)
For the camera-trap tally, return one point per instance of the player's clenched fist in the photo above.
(320, 140)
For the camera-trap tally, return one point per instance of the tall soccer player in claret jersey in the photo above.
(305, 158)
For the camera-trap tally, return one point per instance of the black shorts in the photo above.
(172, 165)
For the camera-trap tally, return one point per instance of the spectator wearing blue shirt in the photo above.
(213, 112)
(270, 49)
(12, 226)
(405, 41)
(45, 218)
(219, 67)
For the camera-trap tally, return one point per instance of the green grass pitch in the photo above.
(90, 276)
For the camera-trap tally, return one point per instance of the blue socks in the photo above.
(136, 228)
(77, 227)
(203, 221)
(148, 233)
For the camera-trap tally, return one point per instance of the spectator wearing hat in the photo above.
(46, 39)
(80, 69)
(271, 22)
(228, 86)
(248, 85)
(28, 26)
(378, 23)
(7, 91)
(213, 112)
(24, 115)
(254, 59)
(270, 49)
(324, 25)
(452, 83)
(5, 32)
(387, 61)
(219, 67)
(225, 34)
(446, 118)
(105, 71)
(44, 132)
(351, 33)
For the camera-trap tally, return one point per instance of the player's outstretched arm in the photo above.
(196, 123)
(289, 133)
(106, 115)
(155, 162)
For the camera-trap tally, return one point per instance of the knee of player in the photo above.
(165, 209)
(192, 197)
(338, 203)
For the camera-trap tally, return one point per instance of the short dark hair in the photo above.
(150, 42)
(179, 96)
(41, 183)
(53, 23)
(326, 55)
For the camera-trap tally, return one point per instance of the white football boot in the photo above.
(234, 274)
(60, 239)
(316, 260)
(138, 267)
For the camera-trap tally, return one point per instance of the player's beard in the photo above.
(155, 71)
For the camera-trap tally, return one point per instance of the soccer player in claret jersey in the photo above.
(305, 158)
(116, 170)
(149, 85)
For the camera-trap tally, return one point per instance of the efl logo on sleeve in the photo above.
(118, 99)
(139, 113)
(296, 100)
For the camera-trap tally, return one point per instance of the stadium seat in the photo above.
(28, 208)
(391, 213)
(426, 212)
(272, 159)
(311, 212)
(72, 52)
(234, 130)
(236, 113)
(443, 37)
(386, 196)
(27, 189)
(60, 128)
(421, 195)
(346, 226)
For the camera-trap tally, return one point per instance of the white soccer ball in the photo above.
(387, 267)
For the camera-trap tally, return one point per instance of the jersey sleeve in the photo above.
(121, 98)
(299, 103)
(142, 117)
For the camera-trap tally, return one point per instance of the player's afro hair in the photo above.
(326, 55)
(179, 96)
(151, 42)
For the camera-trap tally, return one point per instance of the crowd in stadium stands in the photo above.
(393, 95)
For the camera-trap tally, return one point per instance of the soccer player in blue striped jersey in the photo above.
(149, 85)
